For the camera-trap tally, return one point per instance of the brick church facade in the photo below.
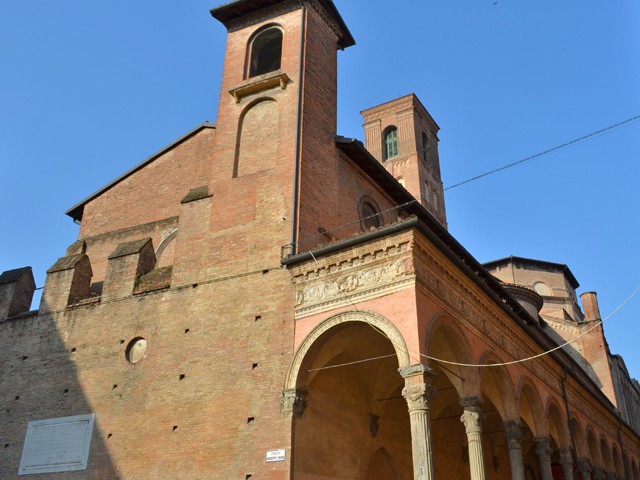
(264, 299)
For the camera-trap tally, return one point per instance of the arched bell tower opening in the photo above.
(355, 422)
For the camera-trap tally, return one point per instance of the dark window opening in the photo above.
(390, 143)
(266, 52)
(425, 147)
(370, 216)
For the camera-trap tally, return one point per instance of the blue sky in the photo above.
(89, 89)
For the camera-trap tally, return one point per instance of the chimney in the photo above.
(590, 306)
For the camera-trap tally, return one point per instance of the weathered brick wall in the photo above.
(154, 192)
(217, 356)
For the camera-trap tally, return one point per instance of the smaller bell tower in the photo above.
(402, 136)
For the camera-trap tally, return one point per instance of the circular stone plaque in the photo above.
(136, 350)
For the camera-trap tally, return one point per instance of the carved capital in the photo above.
(418, 396)
(293, 402)
(583, 466)
(513, 434)
(543, 450)
(472, 421)
(566, 456)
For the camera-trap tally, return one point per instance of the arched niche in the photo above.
(257, 140)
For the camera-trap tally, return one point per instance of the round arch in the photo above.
(376, 320)
(618, 468)
(447, 341)
(264, 50)
(605, 453)
(557, 423)
(497, 385)
(579, 437)
(531, 408)
(594, 449)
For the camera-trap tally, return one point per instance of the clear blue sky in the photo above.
(89, 89)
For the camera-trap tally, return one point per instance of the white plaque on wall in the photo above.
(57, 445)
(276, 455)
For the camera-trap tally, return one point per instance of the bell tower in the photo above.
(277, 114)
(402, 135)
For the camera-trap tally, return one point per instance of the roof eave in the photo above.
(77, 210)
(230, 11)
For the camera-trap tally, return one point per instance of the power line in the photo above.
(448, 362)
(546, 152)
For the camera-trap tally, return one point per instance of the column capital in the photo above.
(565, 454)
(418, 396)
(293, 402)
(583, 465)
(472, 421)
(416, 370)
(513, 434)
(543, 450)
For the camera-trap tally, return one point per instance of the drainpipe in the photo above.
(296, 166)
(563, 382)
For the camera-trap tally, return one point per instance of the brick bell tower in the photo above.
(403, 136)
(276, 117)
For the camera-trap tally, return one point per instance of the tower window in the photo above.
(266, 52)
(425, 147)
(390, 143)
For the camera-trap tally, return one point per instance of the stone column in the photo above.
(513, 436)
(584, 468)
(543, 450)
(472, 420)
(566, 459)
(598, 473)
(418, 393)
(610, 476)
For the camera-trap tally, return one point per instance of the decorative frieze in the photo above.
(381, 269)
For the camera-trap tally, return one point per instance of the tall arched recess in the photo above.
(348, 406)
(257, 145)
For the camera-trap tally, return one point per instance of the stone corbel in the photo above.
(293, 402)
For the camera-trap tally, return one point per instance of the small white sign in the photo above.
(276, 455)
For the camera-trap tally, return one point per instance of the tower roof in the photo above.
(236, 9)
